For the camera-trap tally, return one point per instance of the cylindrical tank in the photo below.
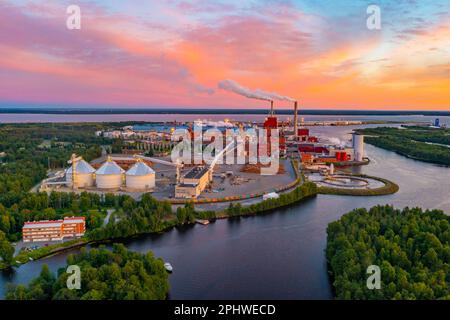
(358, 146)
(140, 177)
(84, 174)
(109, 175)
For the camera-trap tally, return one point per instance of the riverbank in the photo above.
(418, 143)
(301, 192)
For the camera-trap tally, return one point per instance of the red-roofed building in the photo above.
(271, 123)
(302, 132)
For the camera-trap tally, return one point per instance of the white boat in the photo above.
(168, 267)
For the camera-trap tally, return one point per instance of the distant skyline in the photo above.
(152, 53)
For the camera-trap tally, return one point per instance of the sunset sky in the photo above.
(138, 53)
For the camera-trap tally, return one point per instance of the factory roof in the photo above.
(196, 173)
(81, 167)
(140, 169)
(110, 167)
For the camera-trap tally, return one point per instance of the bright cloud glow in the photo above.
(173, 53)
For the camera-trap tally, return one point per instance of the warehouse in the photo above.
(193, 183)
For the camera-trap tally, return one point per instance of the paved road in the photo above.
(108, 215)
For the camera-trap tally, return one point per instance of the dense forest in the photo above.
(29, 150)
(119, 274)
(411, 247)
(421, 143)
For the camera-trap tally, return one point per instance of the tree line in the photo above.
(302, 191)
(117, 274)
(26, 157)
(413, 142)
(411, 247)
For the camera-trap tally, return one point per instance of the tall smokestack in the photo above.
(271, 108)
(295, 119)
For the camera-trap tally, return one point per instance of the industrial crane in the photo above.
(73, 160)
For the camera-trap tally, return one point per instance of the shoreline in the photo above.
(171, 223)
(244, 211)
(177, 110)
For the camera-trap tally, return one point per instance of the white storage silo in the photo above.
(84, 174)
(109, 175)
(140, 177)
(358, 146)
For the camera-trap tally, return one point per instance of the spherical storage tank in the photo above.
(109, 175)
(84, 174)
(140, 176)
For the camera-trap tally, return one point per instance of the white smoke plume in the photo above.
(275, 96)
(259, 94)
(338, 142)
(233, 86)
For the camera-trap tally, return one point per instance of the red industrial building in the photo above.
(272, 123)
(53, 230)
(303, 132)
(312, 148)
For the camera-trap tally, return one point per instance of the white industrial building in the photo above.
(140, 177)
(109, 175)
(358, 146)
(84, 174)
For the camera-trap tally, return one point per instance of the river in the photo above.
(278, 255)
(31, 117)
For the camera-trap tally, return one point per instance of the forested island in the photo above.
(416, 142)
(117, 274)
(411, 247)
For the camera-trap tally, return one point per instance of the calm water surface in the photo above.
(24, 117)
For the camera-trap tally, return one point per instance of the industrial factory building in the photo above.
(53, 230)
(193, 183)
(323, 153)
(110, 176)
